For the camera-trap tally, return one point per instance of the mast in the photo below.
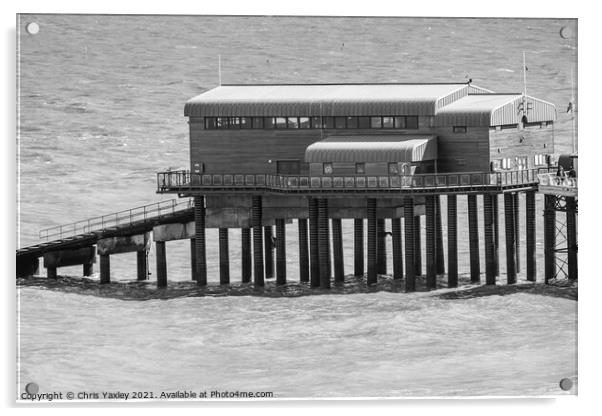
(524, 74)
(574, 110)
(219, 69)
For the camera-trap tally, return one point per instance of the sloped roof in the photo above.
(395, 148)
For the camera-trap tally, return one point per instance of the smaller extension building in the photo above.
(269, 154)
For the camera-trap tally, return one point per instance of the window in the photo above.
(388, 122)
(376, 122)
(339, 122)
(288, 167)
(304, 123)
(210, 123)
(221, 122)
(245, 122)
(316, 122)
(412, 122)
(399, 122)
(360, 168)
(352, 122)
(393, 169)
(363, 122)
(509, 126)
(327, 168)
(328, 122)
(292, 122)
(459, 129)
(280, 122)
(269, 123)
(257, 122)
(234, 123)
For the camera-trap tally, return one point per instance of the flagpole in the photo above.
(524, 74)
(573, 110)
(219, 69)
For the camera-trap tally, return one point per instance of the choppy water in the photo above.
(101, 110)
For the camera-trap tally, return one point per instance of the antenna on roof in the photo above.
(525, 69)
(572, 109)
(219, 69)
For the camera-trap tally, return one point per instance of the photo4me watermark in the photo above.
(145, 395)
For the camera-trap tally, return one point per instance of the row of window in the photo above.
(346, 122)
(394, 168)
(521, 162)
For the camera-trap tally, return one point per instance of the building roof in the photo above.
(324, 100)
(395, 148)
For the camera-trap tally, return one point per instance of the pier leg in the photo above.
(269, 251)
(142, 264)
(530, 229)
(358, 246)
(431, 260)
(257, 241)
(571, 237)
(224, 257)
(161, 263)
(549, 226)
(488, 228)
(473, 239)
(280, 251)
(193, 273)
(409, 228)
(314, 251)
(337, 250)
(200, 243)
(246, 261)
(372, 243)
(496, 234)
(51, 272)
(381, 246)
(324, 243)
(452, 241)
(105, 268)
(516, 210)
(439, 237)
(88, 269)
(417, 247)
(397, 248)
(303, 251)
(510, 234)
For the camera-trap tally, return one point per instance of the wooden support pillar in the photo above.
(105, 268)
(488, 228)
(496, 233)
(530, 230)
(161, 263)
(303, 251)
(199, 237)
(324, 243)
(88, 269)
(417, 246)
(372, 243)
(358, 246)
(142, 264)
(439, 237)
(269, 251)
(51, 273)
(431, 260)
(245, 251)
(397, 248)
(314, 252)
(516, 211)
(452, 241)
(409, 228)
(381, 246)
(510, 234)
(549, 234)
(257, 241)
(280, 251)
(473, 239)
(193, 272)
(571, 236)
(337, 250)
(224, 257)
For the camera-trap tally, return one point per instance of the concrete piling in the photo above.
(417, 246)
(358, 246)
(496, 233)
(193, 271)
(324, 243)
(269, 251)
(488, 228)
(516, 211)
(258, 278)
(452, 241)
(314, 252)
(409, 228)
(549, 234)
(303, 251)
(431, 261)
(530, 230)
(381, 247)
(280, 251)
(439, 237)
(571, 237)
(88, 268)
(246, 260)
(397, 248)
(473, 239)
(510, 238)
(224, 257)
(51, 273)
(105, 268)
(161, 256)
(142, 265)
(337, 250)
(200, 243)
(372, 241)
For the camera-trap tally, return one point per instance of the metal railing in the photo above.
(551, 179)
(177, 181)
(120, 218)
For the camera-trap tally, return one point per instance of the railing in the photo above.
(177, 181)
(126, 217)
(551, 179)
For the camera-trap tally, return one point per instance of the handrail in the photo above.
(171, 181)
(126, 217)
(551, 179)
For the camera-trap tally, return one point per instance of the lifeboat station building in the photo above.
(317, 154)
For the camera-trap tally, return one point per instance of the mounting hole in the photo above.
(566, 384)
(32, 28)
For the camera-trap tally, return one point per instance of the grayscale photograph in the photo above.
(222, 207)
